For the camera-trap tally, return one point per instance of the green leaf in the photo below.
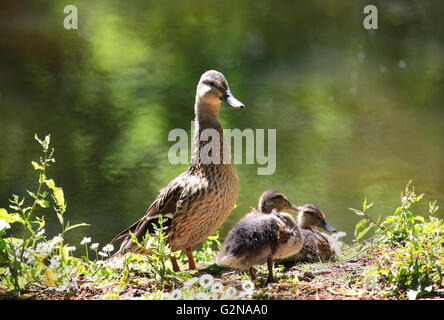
(32, 194)
(36, 166)
(50, 183)
(358, 212)
(364, 232)
(77, 225)
(360, 226)
(47, 139)
(10, 218)
(59, 216)
(42, 203)
(37, 138)
(60, 198)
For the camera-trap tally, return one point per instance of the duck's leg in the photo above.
(270, 269)
(175, 264)
(252, 273)
(191, 263)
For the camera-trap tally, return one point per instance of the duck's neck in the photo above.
(206, 111)
(264, 208)
(302, 222)
(209, 145)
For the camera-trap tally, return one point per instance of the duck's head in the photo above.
(273, 199)
(311, 216)
(213, 89)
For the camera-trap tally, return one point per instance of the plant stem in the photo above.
(25, 232)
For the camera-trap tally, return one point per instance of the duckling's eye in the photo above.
(212, 83)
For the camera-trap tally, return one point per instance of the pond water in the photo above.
(357, 113)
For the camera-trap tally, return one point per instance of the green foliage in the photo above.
(32, 261)
(409, 247)
(158, 253)
(27, 260)
(210, 247)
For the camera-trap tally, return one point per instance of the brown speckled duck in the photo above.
(263, 235)
(317, 246)
(199, 200)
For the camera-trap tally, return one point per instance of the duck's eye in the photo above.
(212, 83)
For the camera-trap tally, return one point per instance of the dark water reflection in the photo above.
(357, 113)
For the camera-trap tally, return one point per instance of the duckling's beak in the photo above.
(231, 100)
(294, 207)
(325, 225)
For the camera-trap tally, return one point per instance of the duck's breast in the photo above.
(205, 204)
(290, 241)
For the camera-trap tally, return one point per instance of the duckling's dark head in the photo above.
(213, 88)
(274, 199)
(311, 216)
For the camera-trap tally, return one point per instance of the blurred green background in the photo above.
(357, 113)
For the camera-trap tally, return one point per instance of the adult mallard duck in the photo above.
(263, 235)
(199, 200)
(317, 246)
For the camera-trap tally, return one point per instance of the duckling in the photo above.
(263, 235)
(199, 200)
(317, 246)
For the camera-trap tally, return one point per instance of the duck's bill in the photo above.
(325, 225)
(231, 100)
(294, 207)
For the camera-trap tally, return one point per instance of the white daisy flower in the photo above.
(55, 262)
(245, 294)
(56, 239)
(70, 248)
(230, 292)
(190, 282)
(217, 287)
(248, 286)
(85, 240)
(206, 281)
(43, 248)
(103, 254)
(28, 256)
(108, 248)
(201, 296)
(175, 295)
(94, 246)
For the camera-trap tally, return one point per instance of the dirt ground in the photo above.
(340, 280)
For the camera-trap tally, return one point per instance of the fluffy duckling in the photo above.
(317, 246)
(199, 200)
(263, 235)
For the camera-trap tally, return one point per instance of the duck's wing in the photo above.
(164, 205)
